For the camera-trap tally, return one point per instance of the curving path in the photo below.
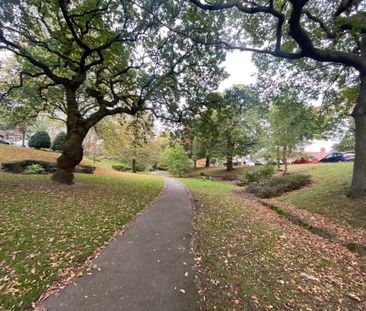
(149, 267)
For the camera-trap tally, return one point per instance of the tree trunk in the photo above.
(229, 163)
(278, 158)
(284, 154)
(23, 138)
(71, 156)
(358, 185)
(133, 165)
(207, 161)
(194, 164)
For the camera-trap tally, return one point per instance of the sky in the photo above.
(242, 71)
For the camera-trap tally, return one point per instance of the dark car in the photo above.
(4, 142)
(338, 157)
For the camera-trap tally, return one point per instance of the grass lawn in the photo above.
(251, 259)
(46, 228)
(326, 196)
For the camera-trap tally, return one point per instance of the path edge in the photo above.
(76, 272)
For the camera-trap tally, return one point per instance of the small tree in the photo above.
(177, 160)
(58, 142)
(40, 140)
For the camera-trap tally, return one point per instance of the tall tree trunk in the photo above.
(194, 164)
(207, 161)
(284, 155)
(133, 165)
(72, 153)
(23, 137)
(71, 156)
(278, 158)
(229, 162)
(358, 185)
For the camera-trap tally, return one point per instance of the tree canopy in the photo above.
(84, 60)
(321, 37)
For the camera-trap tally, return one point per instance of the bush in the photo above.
(251, 177)
(267, 171)
(84, 169)
(177, 160)
(264, 173)
(34, 169)
(279, 185)
(140, 167)
(121, 168)
(58, 142)
(19, 167)
(40, 140)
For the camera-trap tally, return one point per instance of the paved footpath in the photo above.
(148, 267)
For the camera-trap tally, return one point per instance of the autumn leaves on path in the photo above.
(149, 267)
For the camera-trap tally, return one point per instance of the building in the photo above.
(10, 135)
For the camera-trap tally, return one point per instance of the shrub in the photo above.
(58, 142)
(251, 177)
(140, 167)
(19, 167)
(40, 140)
(85, 169)
(121, 168)
(279, 185)
(177, 160)
(265, 172)
(34, 169)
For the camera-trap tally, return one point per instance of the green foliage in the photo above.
(121, 167)
(177, 161)
(40, 140)
(278, 185)
(58, 142)
(347, 142)
(140, 167)
(34, 169)
(264, 173)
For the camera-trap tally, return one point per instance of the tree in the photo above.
(82, 61)
(238, 122)
(131, 140)
(311, 33)
(291, 123)
(177, 160)
(40, 140)
(58, 142)
(347, 142)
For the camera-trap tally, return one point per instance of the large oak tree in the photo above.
(313, 31)
(83, 60)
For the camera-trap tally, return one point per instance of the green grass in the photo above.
(327, 195)
(108, 163)
(47, 228)
(249, 260)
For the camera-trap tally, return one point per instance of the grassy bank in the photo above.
(251, 259)
(327, 195)
(46, 229)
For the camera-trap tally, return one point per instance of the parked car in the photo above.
(248, 162)
(338, 157)
(4, 142)
(260, 162)
(310, 160)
